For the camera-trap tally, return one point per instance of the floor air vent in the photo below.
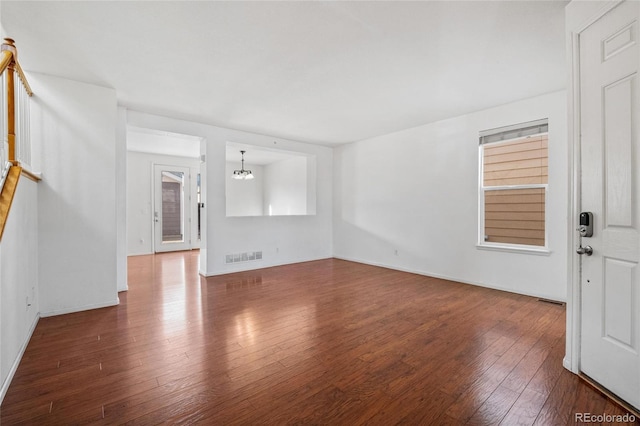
(248, 256)
(555, 302)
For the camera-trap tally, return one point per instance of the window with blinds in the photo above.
(514, 183)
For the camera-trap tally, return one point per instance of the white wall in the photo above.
(121, 199)
(140, 195)
(244, 197)
(204, 177)
(285, 187)
(416, 192)
(18, 280)
(283, 239)
(74, 125)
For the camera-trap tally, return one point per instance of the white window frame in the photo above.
(508, 247)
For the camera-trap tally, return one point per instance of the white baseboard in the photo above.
(79, 309)
(16, 363)
(444, 277)
(139, 254)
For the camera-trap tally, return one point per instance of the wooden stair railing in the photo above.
(6, 195)
(9, 69)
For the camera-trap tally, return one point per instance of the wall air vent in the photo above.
(249, 256)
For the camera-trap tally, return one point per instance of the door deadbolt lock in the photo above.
(586, 224)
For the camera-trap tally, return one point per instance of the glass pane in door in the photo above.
(172, 206)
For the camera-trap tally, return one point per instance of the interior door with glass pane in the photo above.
(171, 218)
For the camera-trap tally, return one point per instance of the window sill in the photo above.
(542, 251)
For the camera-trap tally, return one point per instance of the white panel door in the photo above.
(172, 207)
(610, 185)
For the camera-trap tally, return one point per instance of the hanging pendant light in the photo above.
(242, 173)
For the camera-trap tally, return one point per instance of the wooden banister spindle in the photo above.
(11, 104)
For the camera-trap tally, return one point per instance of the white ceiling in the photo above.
(320, 72)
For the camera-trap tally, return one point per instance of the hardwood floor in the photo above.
(324, 342)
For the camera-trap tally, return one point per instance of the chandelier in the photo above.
(242, 173)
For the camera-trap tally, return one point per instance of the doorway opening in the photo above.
(163, 191)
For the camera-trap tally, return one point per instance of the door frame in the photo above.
(579, 15)
(188, 237)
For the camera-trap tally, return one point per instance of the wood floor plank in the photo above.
(525, 410)
(495, 407)
(323, 342)
(559, 407)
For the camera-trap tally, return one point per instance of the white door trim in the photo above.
(579, 16)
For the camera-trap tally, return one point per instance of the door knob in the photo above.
(584, 250)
